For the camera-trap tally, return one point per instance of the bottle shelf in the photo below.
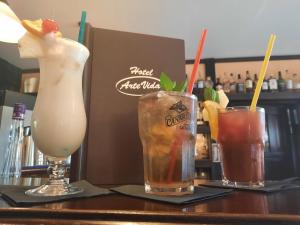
(276, 95)
(285, 95)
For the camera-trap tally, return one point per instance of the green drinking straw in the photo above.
(82, 27)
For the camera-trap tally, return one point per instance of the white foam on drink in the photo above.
(31, 46)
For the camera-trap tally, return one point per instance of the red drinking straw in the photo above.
(174, 151)
(179, 136)
(196, 62)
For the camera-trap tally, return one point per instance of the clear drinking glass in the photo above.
(167, 128)
(241, 138)
(58, 121)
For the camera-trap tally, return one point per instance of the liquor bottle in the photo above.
(195, 84)
(296, 82)
(200, 84)
(219, 85)
(28, 148)
(289, 81)
(255, 81)
(240, 84)
(13, 155)
(226, 83)
(232, 83)
(209, 83)
(281, 82)
(265, 85)
(273, 87)
(289, 84)
(248, 82)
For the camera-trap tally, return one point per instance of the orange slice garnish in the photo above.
(35, 27)
(212, 110)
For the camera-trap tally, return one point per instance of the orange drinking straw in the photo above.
(196, 62)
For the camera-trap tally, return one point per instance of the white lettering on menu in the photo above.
(137, 71)
(140, 79)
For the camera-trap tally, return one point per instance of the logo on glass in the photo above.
(179, 114)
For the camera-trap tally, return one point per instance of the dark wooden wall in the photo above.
(10, 76)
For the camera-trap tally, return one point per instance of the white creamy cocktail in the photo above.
(58, 120)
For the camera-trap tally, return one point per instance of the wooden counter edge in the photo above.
(146, 216)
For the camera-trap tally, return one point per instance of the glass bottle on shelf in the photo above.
(209, 83)
(28, 148)
(195, 84)
(219, 85)
(232, 83)
(226, 83)
(248, 82)
(296, 82)
(281, 82)
(255, 81)
(289, 81)
(273, 84)
(200, 84)
(12, 165)
(289, 84)
(240, 84)
(294, 78)
(265, 85)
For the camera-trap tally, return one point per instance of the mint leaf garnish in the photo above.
(211, 94)
(181, 86)
(166, 83)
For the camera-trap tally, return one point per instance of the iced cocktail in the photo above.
(241, 138)
(167, 128)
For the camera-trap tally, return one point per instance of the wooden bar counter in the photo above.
(240, 207)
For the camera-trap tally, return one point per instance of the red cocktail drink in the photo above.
(241, 138)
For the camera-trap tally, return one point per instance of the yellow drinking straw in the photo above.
(262, 72)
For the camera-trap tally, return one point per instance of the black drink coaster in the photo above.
(200, 194)
(16, 194)
(269, 187)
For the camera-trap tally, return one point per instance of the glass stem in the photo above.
(56, 171)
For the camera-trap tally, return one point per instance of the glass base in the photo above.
(57, 184)
(54, 189)
(242, 184)
(176, 190)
